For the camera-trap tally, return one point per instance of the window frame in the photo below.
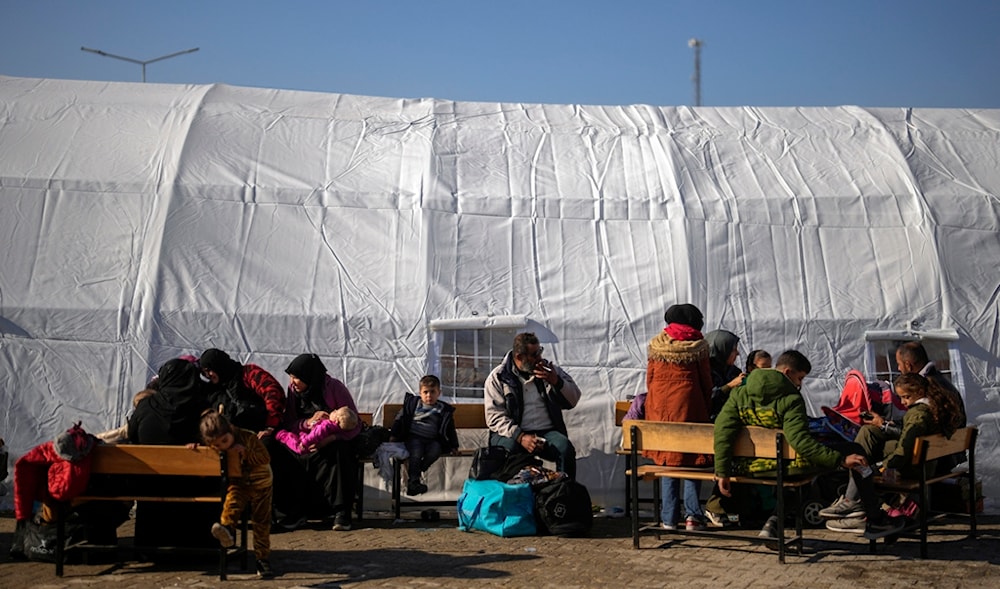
(880, 361)
(483, 361)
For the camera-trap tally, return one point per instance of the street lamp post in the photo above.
(142, 63)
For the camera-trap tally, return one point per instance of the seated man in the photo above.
(771, 398)
(525, 396)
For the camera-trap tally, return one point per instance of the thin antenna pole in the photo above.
(696, 78)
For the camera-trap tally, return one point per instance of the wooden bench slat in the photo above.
(139, 459)
(699, 438)
(940, 446)
(467, 415)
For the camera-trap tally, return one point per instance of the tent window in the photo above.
(467, 356)
(880, 356)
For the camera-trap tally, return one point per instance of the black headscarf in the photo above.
(172, 415)
(220, 363)
(721, 344)
(309, 369)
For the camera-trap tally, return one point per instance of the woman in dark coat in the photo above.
(323, 481)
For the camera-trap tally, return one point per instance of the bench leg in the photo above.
(360, 499)
(60, 543)
(628, 487)
(397, 474)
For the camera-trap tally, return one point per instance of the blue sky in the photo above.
(918, 53)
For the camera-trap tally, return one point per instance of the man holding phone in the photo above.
(525, 397)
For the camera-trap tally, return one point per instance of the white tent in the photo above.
(140, 222)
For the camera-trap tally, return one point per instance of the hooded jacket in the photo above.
(679, 388)
(768, 399)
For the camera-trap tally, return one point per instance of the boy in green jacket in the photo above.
(771, 398)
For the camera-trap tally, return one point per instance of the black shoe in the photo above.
(291, 524)
(415, 488)
(884, 526)
(264, 570)
(342, 522)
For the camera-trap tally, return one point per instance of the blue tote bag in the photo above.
(498, 508)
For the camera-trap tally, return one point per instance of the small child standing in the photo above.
(254, 487)
(341, 421)
(426, 425)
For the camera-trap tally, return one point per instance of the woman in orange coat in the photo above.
(679, 385)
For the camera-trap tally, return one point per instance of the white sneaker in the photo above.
(716, 520)
(843, 507)
(224, 534)
(850, 525)
(670, 527)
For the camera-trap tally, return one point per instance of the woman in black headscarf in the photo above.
(726, 376)
(323, 481)
(172, 415)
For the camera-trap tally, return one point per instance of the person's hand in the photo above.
(736, 381)
(725, 486)
(855, 461)
(192, 446)
(267, 431)
(531, 443)
(545, 371)
(876, 420)
(316, 418)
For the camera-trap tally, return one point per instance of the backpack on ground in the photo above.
(563, 508)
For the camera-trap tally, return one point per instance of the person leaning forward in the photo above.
(771, 398)
(525, 397)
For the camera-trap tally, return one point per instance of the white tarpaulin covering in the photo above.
(140, 222)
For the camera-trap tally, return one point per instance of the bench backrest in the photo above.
(621, 408)
(699, 438)
(467, 415)
(366, 418)
(163, 460)
(938, 446)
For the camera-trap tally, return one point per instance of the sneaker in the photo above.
(342, 522)
(770, 529)
(415, 488)
(716, 520)
(851, 525)
(670, 527)
(224, 534)
(264, 570)
(841, 508)
(884, 526)
(694, 524)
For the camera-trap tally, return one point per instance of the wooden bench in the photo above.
(467, 416)
(621, 408)
(699, 438)
(129, 460)
(926, 449)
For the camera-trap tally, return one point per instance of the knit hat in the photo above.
(74, 443)
(685, 314)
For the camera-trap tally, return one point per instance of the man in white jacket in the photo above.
(525, 397)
